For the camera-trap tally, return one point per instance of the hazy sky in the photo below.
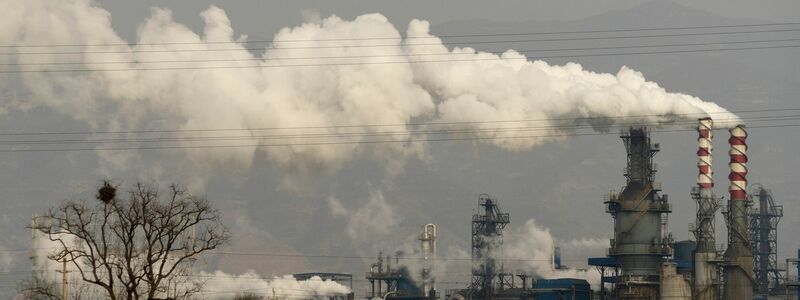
(559, 184)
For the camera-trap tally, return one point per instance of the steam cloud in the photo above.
(221, 284)
(534, 244)
(215, 285)
(242, 89)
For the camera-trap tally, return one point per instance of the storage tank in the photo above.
(673, 285)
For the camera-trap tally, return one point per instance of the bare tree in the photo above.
(139, 247)
(39, 288)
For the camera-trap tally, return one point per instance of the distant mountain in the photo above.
(648, 15)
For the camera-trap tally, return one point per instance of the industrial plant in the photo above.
(643, 260)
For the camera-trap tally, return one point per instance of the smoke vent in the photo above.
(705, 181)
(427, 240)
(706, 276)
(738, 268)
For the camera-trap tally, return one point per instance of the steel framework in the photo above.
(764, 218)
(487, 230)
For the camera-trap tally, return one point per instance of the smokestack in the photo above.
(428, 244)
(738, 164)
(738, 256)
(706, 275)
(705, 181)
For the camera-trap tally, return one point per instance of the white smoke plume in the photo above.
(215, 285)
(533, 245)
(489, 87)
(375, 218)
(337, 208)
(224, 286)
(241, 89)
(587, 243)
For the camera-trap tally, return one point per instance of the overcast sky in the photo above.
(559, 184)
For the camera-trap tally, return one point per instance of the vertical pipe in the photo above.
(739, 258)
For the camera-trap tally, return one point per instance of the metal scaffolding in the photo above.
(487, 230)
(764, 217)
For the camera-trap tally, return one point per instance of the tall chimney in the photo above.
(705, 181)
(706, 275)
(739, 258)
(738, 164)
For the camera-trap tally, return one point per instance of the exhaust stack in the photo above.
(427, 240)
(738, 269)
(706, 277)
(705, 181)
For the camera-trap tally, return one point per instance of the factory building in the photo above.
(389, 278)
(747, 267)
(643, 260)
(640, 242)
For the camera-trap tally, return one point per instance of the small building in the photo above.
(562, 289)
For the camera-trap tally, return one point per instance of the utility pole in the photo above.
(273, 295)
(64, 282)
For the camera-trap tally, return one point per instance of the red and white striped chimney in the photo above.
(738, 164)
(705, 180)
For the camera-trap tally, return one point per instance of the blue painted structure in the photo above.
(684, 256)
(562, 288)
(603, 263)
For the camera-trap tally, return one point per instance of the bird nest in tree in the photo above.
(107, 192)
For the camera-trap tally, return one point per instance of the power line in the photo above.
(422, 55)
(390, 62)
(426, 124)
(336, 126)
(438, 258)
(491, 130)
(399, 45)
(396, 37)
(299, 255)
(341, 143)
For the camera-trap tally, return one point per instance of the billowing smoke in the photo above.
(221, 285)
(221, 83)
(530, 249)
(485, 87)
(214, 285)
(373, 219)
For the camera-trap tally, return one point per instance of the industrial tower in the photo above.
(487, 230)
(640, 242)
(427, 239)
(738, 268)
(706, 274)
(764, 218)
